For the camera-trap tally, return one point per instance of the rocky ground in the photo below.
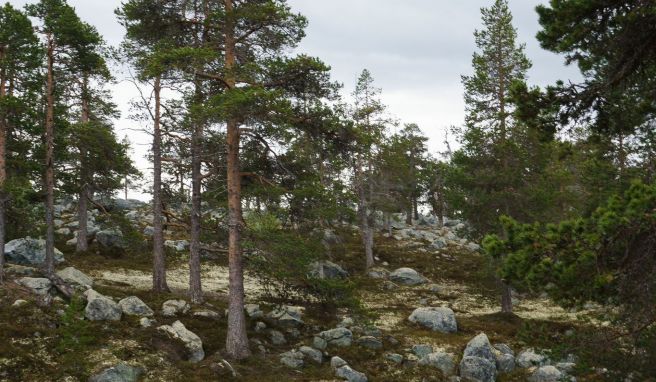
(431, 308)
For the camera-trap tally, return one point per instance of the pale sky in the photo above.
(416, 50)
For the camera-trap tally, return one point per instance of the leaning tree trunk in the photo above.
(159, 261)
(49, 161)
(195, 286)
(237, 340)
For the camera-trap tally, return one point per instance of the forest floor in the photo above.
(41, 343)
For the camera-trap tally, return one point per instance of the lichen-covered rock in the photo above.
(337, 362)
(28, 251)
(370, 342)
(292, 359)
(435, 318)
(119, 373)
(327, 270)
(529, 357)
(38, 285)
(111, 239)
(407, 276)
(101, 308)
(172, 308)
(422, 350)
(476, 369)
(505, 362)
(76, 277)
(445, 362)
(192, 342)
(546, 374)
(133, 306)
(253, 311)
(313, 354)
(287, 316)
(347, 373)
(341, 337)
(480, 346)
(277, 338)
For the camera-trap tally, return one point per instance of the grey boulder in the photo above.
(480, 346)
(74, 276)
(546, 374)
(476, 369)
(327, 270)
(445, 362)
(133, 306)
(111, 239)
(340, 337)
(37, 285)
(435, 318)
(347, 373)
(101, 308)
(28, 251)
(407, 276)
(529, 357)
(192, 342)
(119, 373)
(172, 308)
(292, 359)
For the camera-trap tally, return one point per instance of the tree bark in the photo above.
(506, 298)
(237, 340)
(82, 244)
(49, 266)
(159, 260)
(195, 286)
(408, 214)
(3, 172)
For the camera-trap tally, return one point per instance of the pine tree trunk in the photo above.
(3, 175)
(408, 214)
(82, 244)
(237, 340)
(49, 266)
(415, 208)
(159, 260)
(506, 298)
(195, 286)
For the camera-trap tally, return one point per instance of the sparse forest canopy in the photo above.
(284, 213)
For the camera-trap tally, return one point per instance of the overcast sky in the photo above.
(416, 50)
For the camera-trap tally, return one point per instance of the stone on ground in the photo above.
(292, 359)
(101, 308)
(191, 341)
(313, 354)
(38, 285)
(528, 358)
(435, 318)
(340, 337)
(480, 346)
(327, 270)
(119, 373)
(546, 374)
(407, 276)
(476, 369)
(445, 362)
(133, 306)
(28, 251)
(76, 277)
(172, 308)
(347, 373)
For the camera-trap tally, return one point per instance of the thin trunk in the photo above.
(3, 173)
(195, 286)
(415, 207)
(365, 231)
(82, 216)
(49, 161)
(126, 187)
(408, 214)
(237, 340)
(159, 261)
(506, 298)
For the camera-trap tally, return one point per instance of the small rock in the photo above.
(528, 358)
(341, 337)
(319, 343)
(277, 338)
(146, 322)
(422, 350)
(313, 354)
(565, 367)
(504, 349)
(119, 373)
(480, 346)
(394, 357)
(370, 342)
(111, 239)
(133, 306)
(505, 362)
(292, 359)
(378, 273)
(101, 308)
(37, 285)
(407, 276)
(207, 314)
(172, 308)
(437, 319)
(546, 374)
(253, 311)
(327, 270)
(260, 327)
(192, 342)
(445, 362)
(477, 369)
(18, 303)
(347, 373)
(74, 276)
(336, 362)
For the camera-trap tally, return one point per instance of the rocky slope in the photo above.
(431, 306)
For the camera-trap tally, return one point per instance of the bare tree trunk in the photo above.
(415, 208)
(82, 244)
(3, 174)
(159, 260)
(506, 298)
(195, 286)
(365, 231)
(237, 340)
(408, 214)
(49, 266)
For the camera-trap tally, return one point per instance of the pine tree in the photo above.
(20, 57)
